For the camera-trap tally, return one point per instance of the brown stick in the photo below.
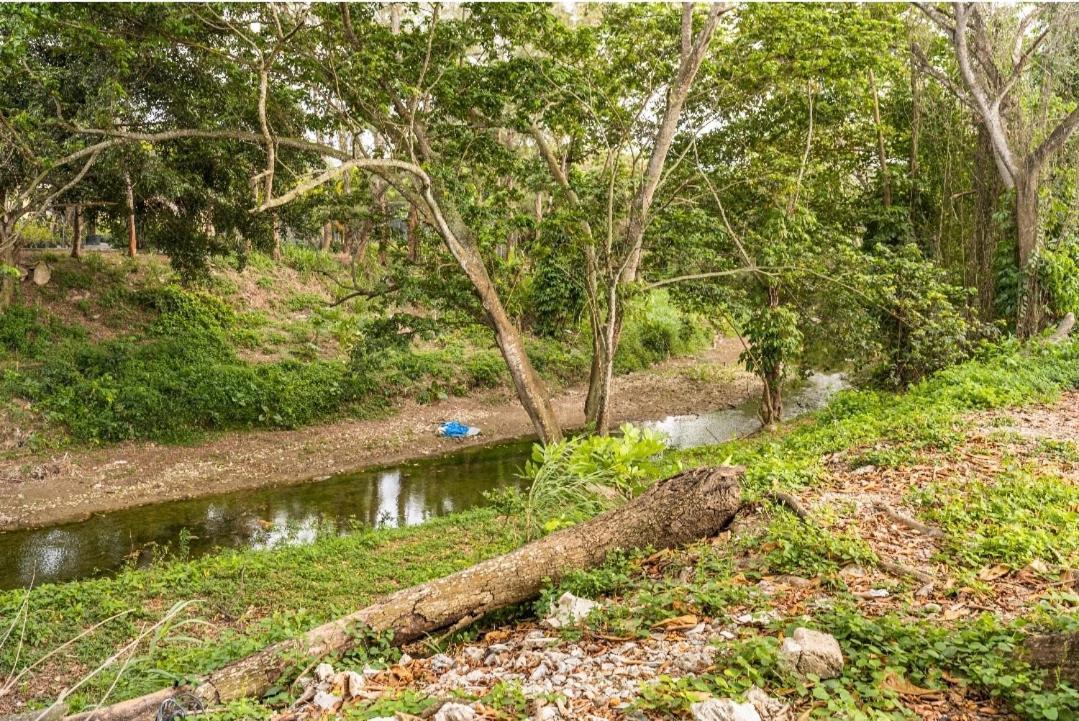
(692, 505)
(909, 522)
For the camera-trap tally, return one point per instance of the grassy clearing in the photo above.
(113, 349)
(251, 598)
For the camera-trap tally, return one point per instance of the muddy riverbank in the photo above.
(68, 486)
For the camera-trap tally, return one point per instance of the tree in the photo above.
(627, 137)
(996, 52)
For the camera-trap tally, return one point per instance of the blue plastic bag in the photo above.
(456, 429)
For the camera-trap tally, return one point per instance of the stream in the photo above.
(402, 495)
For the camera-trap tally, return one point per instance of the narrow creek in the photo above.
(401, 495)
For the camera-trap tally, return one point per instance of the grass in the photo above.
(251, 598)
(246, 599)
(112, 350)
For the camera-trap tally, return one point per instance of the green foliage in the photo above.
(1058, 269)
(556, 298)
(20, 330)
(922, 324)
(810, 550)
(775, 342)
(183, 379)
(579, 477)
(1015, 519)
(255, 598)
(654, 329)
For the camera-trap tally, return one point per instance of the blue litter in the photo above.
(456, 429)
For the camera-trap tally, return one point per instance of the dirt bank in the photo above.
(51, 489)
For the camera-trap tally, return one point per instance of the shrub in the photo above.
(575, 479)
(922, 325)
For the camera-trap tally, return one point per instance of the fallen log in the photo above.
(686, 507)
(1057, 653)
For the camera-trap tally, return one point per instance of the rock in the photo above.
(769, 708)
(323, 672)
(569, 611)
(723, 710)
(455, 712)
(546, 713)
(441, 663)
(811, 653)
(354, 683)
(42, 273)
(326, 701)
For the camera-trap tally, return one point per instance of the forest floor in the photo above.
(927, 612)
(942, 531)
(55, 487)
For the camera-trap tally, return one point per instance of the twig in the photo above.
(792, 503)
(898, 569)
(908, 521)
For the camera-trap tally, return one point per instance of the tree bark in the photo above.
(327, 237)
(882, 153)
(692, 505)
(412, 228)
(76, 232)
(1056, 652)
(458, 239)
(1031, 307)
(132, 235)
(771, 411)
(612, 332)
(275, 232)
(988, 188)
(9, 253)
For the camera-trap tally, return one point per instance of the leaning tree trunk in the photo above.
(692, 505)
(1031, 310)
(458, 239)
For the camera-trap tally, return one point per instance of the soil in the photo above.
(51, 489)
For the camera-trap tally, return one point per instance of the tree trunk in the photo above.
(412, 228)
(327, 237)
(76, 233)
(987, 190)
(771, 411)
(1030, 314)
(529, 389)
(595, 378)
(9, 253)
(882, 153)
(692, 505)
(275, 232)
(612, 332)
(132, 235)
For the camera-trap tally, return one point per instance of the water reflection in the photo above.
(708, 428)
(403, 495)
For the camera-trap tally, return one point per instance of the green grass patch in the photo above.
(244, 599)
